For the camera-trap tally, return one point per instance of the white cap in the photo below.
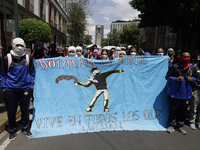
(18, 41)
(118, 48)
(78, 47)
(72, 48)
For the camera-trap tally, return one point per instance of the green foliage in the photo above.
(87, 39)
(76, 19)
(180, 15)
(32, 30)
(104, 42)
(132, 35)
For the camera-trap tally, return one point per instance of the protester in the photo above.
(94, 47)
(177, 57)
(147, 54)
(170, 53)
(66, 50)
(194, 112)
(46, 50)
(160, 52)
(111, 56)
(94, 54)
(132, 51)
(116, 53)
(15, 67)
(98, 55)
(79, 51)
(53, 52)
(104, 54)
(122, 53)
(60, 51)
(72, 52)
(181, 76)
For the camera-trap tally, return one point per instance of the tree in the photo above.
(114, 37)
(32, 30)
(87, 39)
(132, 35)
(182, 16)
(104, 42)
(77, 12)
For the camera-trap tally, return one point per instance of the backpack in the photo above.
(9, 56)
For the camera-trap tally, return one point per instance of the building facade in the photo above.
(118, 24)
(50, 11)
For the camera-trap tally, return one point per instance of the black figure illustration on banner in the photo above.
(99, 80)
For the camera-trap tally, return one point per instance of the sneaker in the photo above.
(106, 110)
(12, 136)
(192, 126)
(169, 129)
(27, 133)
(181, 130)
(89, 109)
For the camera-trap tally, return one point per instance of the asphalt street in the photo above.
(118, 140)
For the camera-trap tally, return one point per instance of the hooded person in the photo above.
(116, 53)
(72, 51)
(79, 51)
(60, 51)
(16, 84)
(170, 53)
(147, 54)
(53, 52)
(39, 51)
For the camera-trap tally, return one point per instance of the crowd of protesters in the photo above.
(17, 79)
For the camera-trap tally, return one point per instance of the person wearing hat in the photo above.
(16, 84)
(147, 54)
(79, 51)
(99, 80)
(94, 54)
(60, 51)
(72, 52)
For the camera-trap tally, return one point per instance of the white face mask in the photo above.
(116, 54)
(133, 53)
(160, 54)
(79, 54)
(18, 51)
(104, 57)
(71, 54)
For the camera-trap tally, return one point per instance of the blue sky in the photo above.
(106, 11)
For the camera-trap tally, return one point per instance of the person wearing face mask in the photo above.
(66, 50)
(132, 51)
(122, 54)
(79, 51)
(116, 53)
(16, 84)
(60, 51)
(160, 52)
(177, 57)
(170, 53)
(72, 52)
(53, 52)
(104, 54)
(94, 54)
(98, 55)
(181, 77)
(194, 112)
(112, 53)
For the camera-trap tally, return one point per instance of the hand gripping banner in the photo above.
(78, 95)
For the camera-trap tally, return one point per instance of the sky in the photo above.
(107, 11)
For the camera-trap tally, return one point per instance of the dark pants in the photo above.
(178, 110)
(11, 99)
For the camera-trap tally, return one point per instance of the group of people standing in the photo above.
(17, 78)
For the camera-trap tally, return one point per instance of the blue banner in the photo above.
(77, 95)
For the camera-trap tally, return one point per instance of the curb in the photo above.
(4, 119)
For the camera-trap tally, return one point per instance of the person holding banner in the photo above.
(16, 84)
(181, 77)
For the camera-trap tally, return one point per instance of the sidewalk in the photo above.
(3, 113)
